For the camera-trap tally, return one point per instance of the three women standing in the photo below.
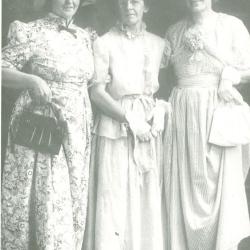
(44, 197)
(204, 183)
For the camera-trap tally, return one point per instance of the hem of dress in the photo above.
(237, 242)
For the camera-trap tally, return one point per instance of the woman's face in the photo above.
(196, 6)
(131, 11)
(65, 8)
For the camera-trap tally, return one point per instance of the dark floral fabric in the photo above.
(44, 197)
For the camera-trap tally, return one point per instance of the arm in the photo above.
(40, 92)
(245, 76)
(103, 100)
(14, 56)
(238, 70)
(106, 103)
(15, 79)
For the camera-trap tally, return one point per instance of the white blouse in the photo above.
(130, 65)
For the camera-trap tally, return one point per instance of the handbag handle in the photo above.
(52, 107)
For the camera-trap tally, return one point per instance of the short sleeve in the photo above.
(101, 62)
(18, 50)
(166, 53)
(241, 46)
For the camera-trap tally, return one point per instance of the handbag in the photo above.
(41, 133)
(230, 125)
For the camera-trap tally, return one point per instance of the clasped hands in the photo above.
(150, 127)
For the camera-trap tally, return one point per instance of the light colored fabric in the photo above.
(124, 60)
(142, 107)
(237, 131)
(204, 184)
(124, 210)
(44, 197)
(227, 44)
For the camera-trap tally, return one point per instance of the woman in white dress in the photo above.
(204, 182)
(125, 181)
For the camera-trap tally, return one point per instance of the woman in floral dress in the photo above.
(124, 209)
(204, 182)
(44, 197)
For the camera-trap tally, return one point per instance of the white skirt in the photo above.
(204, 184)
(124, 209)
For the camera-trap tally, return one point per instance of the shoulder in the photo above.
(230, 22)
(226, 18)
(175, 29)
(107, 39)
(111, 35)
(87, 32)
(155, 39)
(21, 32)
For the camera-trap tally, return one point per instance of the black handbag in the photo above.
(41, 133)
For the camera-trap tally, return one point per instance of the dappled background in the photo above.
(101, 16)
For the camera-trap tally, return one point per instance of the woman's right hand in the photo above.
(40, 92)
(228, 93)
(140, 128)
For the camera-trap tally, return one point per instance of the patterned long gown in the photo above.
(44, 197)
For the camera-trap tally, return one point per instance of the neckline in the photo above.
(209, 23)
(59, 20)
(190, 26)
(131, 34)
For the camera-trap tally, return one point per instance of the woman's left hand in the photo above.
(228, 93)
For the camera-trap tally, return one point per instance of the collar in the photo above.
(131, 34)
(60, 21)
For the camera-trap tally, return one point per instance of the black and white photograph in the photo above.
(125, 125)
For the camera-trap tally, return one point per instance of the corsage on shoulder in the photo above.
(193, 42)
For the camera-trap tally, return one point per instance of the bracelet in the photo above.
(231, 74)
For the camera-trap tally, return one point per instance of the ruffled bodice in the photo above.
(129, 65)
(207, 50)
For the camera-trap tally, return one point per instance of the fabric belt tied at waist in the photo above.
(200, 81)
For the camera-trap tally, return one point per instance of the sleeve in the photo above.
(240, 59)
(18, 50)
(241, 46)
(166, 53)
(101, 62)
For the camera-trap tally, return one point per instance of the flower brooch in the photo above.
(193, 42)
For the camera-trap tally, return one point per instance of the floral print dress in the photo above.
(44, 197)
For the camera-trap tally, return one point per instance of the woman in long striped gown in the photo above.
(204, 183)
